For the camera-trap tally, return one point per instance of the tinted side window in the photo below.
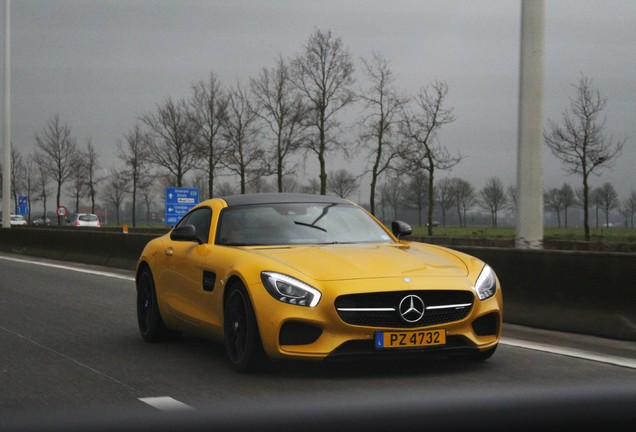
(200, 218)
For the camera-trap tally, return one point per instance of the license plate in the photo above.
(414, 339)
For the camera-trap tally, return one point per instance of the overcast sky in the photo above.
(101, 64)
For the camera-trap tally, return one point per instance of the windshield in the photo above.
(298, 223)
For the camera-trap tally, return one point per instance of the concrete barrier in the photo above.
(583, 292)
(110, 249)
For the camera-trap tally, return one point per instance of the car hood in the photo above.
(341, 262)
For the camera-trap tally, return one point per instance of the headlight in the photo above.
(290, 290)
(486, 284)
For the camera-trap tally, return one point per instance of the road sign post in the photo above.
(179, 200)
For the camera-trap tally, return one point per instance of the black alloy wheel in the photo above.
(151, 325)
(242, 340)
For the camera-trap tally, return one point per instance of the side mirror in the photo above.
(401, 229)
(185, 233)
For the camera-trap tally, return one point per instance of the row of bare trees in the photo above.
(284, 115)
(602, 200)
(458, 197)
(292, 111)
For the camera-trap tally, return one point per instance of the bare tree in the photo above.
(260, 184)
(117, 186)
(41, 182)
(568, 199)
(629, 209)
(57, 150)
(77, 182)
(244, 156)
(147, 193)
(511, 203)
(392, 194)
(464, 197)
(493, 198)
(30, 181)
(91, 163)
(290, 184)
(172, 146)
(596, 200)
(579, 142)
(422, 151)
(554, 202)
(608, 199)
(342, 183)
(417, 193)
(135, 153)
(280, 106)
(312, 187)
(444, 197)
(208, 111)
(227, 188)
(323, 73)
(383, 104)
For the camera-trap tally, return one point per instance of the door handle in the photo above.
(169, 252)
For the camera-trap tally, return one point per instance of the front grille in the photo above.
(382, 309)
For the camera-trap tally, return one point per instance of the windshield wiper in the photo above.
(325, 210)
(311, 225)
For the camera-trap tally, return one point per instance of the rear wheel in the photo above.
(242, 340)
(151, 325)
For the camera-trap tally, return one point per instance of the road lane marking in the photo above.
(66, 267)
(166, 403)
(66, 357)
(571, 352)
(163, 403)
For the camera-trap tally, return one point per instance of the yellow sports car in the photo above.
(295, 276)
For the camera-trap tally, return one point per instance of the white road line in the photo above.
(64, 356)
(571, 352)
(165, 403)
(66, 267)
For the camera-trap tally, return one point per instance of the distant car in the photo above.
(18, 220)
(41, 221)
(313, 277)
(84, 220)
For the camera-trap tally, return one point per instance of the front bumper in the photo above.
(295, 332)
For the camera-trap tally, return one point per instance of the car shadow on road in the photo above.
(202, 351)
(363, 369)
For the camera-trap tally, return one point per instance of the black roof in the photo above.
(279, 198)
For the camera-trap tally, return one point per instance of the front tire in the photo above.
(240, 331)
(151, 326)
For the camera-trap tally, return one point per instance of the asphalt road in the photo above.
(71, 356)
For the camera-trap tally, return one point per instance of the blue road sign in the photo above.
(23, 205)
(179, 200)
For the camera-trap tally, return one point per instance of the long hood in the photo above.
(342, 262)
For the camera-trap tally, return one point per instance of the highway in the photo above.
(70, 351)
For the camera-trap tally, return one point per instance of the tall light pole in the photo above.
(6, 159)
(529, 229)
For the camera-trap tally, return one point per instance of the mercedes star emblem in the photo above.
(412, 308)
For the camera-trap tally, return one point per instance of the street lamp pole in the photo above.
(529, 226)
(6, 159)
